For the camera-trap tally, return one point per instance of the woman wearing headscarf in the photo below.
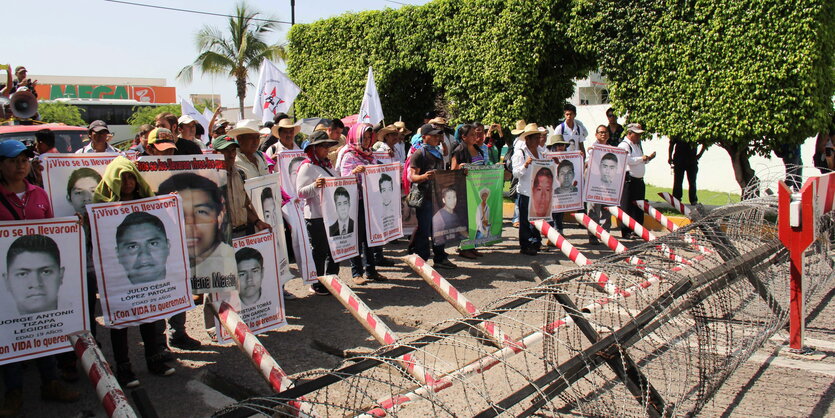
(357, 155)
(467, 153)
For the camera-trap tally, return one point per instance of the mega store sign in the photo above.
(146, 94)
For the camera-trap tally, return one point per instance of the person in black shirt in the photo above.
(683, 159)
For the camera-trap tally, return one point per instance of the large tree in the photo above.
(236, 52)
(748, 75)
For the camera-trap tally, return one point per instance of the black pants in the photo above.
(528, 234)
(424, 232)
(633, 189)
(679, 170)
(319, 248)
(357, 267)
(151, 333)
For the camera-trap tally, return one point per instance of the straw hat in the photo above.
(401, 127)
(245, 126)
(285, 123)
(389, 129)
(520, 127)
(530, 129)
(556, 139)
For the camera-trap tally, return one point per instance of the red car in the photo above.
(67, 138)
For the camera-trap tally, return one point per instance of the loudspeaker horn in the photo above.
(24, 105)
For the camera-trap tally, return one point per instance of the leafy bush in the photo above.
(146, 114)
(60, 113)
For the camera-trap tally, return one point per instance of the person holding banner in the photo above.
(285, 130)
(22, 200)
(468, 153)
(529, 238)
(595, 210)
(242, 216)
(310, 180)
(122, 182)
(248, 159)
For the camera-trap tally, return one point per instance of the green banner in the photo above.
(484, 204)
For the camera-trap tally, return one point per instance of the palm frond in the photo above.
(186, 74)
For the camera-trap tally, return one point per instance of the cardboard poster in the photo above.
(293, 213)
(484, 200)
(44, 292)
(381, 194)
(568, 185)
(607, 169)
(259, 301)
(449, 207)
(200, 180)
(542, 189)
(383, 157)
(339, 200)
(141, 261)
(71, 179)
(288, 163)
(265, 194)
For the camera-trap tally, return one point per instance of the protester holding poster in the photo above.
(606, 170)
(22, 200)
(289, 163)
(70, 180)
(466, 154)
(313, 173)
(526, 172)
(484, 200)
(542, 189)
(595, 210)
(242, 216)
(262, 192)
(357, 156)
(568, 184)
(382, 196)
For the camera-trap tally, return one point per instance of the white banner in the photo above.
(607, 169)
(201, 182)
(45, 287)
(71, 179)
(339, 200)
(265, 194)
(259, 301)
(150, 278)
(568, 185)
(275, 92)
(294, 216)
(383, 157)
(542, 189)
(381, 193)
(288, 166)
(187, 108)
(371, 111)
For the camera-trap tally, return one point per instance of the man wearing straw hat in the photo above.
(285, 130)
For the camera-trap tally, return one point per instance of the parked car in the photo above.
(67, 138)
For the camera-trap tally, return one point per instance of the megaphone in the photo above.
(24, 104)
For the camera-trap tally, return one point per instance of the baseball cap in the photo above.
(635, 127)
(429, 129)
(12, 148)
(223, 142)
(161, 144)
(185, 120)
(98, 126)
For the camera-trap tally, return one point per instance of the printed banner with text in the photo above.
(607, 169)
(339, 200)
(71, 179)
(449, 207)
(288, 166)
(568, 185)
(484, 200)
(381, 191)
(542, 189)
(265, 195)
(45, 287)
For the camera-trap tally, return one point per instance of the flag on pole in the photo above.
(276, 92)
(187, 108)
(371, 111)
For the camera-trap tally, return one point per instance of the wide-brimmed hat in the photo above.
(285, 123)
(401, 127)
(520, 127)
(555, 139)
(388, 129)
(529, 129)
(319, 138)
(161, 144)
(245, 126)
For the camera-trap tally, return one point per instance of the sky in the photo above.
(102, 38)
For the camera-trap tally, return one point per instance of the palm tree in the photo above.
(236, 52)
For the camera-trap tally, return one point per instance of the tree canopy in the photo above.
(57, 112)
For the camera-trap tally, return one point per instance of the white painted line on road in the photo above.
(815, 367)
(210, 397)
(812, 342)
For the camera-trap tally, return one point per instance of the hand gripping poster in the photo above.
(259, 301)
(288, 166)
(44, 291)
(265, 194)
(200, 180)
(568, 184)
(484, 201)
(381, 193)
(449, 207)
(149, 279)
(542, 189)
(607, 169)
(71, 179)
(340, 202)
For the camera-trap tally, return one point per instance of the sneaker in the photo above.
(467, 254)
(184, 342)
(385, 262)
(375, 276)
(359, 280)
(125, 376)
(528, 251)
(161, 367)
(289, 296)
(319, 289)
(445, 264)
(12, 403)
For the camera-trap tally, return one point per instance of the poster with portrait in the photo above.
(293, 213)
(44, 291)
(265, 194)
(449, 207)
(381, 193)
(259, 301)
(568, 184)
(484, 201)
(141, 261)
(542, 189)
(340, 201)
(200, 180)
(383, 157)
(288, 166)
(71, 179)
(607, 169)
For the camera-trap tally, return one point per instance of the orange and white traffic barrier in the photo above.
(604, 236)
(675, 203)
(669, 225)
(645, 233)
(375, 326)
(110, 394)
(456, 299)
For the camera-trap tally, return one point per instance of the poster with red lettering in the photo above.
(44, 292)
(265, 194)
(141, 260)
(259, 301)
(71, 179)
(381, 193)
(340, 203)
(568, 184)
(605, 176)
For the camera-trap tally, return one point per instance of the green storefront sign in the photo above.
(82, 91)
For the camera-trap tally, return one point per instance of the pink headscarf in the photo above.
(354, 142)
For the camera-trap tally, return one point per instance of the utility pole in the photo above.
(292, 12)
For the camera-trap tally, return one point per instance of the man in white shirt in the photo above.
(249, 160)
(634, 187)
(572, 130)
(99, 137)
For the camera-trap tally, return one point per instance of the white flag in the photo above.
(276, 92)
(371, 111)
(187, 108)
(208, 114)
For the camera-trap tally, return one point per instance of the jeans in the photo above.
(319, 248)
(424, 231)
(13, 372)
(678, 179)
(151, 333)
(362, 245)
(557, 221)
(633, 189)
(528, 235)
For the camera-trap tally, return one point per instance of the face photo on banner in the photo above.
(408, 215)
(484, 201)
(43, 294)
(449, 205)
(542, 189)
(568, 184)
(607, 169)
(150, 279)
(199, 181)
(259, 301)
(265, 194)
(382, 198)
(339, 212)
(71, 179)
(288, 166)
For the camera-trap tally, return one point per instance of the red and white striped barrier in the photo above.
(375, 326)
(605, 237)
(456, 299)
(645, 234)
(675, 203)
(110, 394)
(669, 225)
